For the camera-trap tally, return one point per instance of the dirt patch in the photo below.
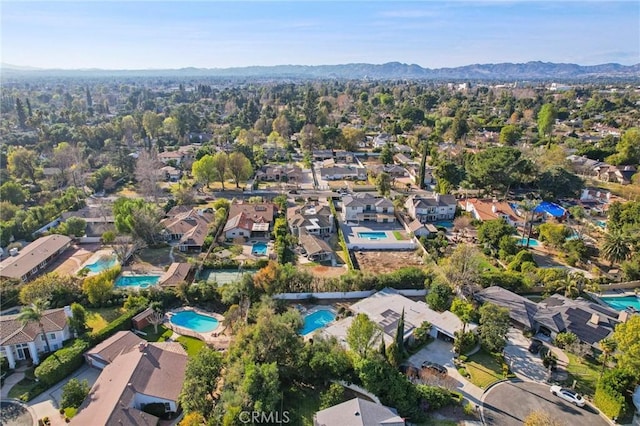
(71, 260)
(326, 271)
(386, 261)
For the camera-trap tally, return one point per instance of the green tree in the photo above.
(509, 134)
(201, 380)
(627, 338)
(362, 335)
(554, 234)
(463, 310)
(13, 193)
(34, 314)
(203, 170)
(22, 163)
(608, 346)
(492, 231)
(98, 287)
(74, 392)
(462, 269)
(22, 115)
(239, 167)
(75, 226)
(498, 168)
(78, 320)
(494, 325)
(152, 123)
(628, 149)
(383, 183)
(220, 165)
(138, 218)
(439, 297)
(386, 155)
(546, 119)
(334, 395)
(557, 183)
(58, 290)
(615, 247)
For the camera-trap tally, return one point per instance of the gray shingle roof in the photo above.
(358, 412)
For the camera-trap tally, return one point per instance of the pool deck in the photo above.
(218, 338)
(308, 311)
(355, 242)
(94, 258)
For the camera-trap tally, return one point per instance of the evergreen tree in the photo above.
(400, 334)
(22, 116)
(423, 164)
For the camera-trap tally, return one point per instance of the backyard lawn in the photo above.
(484, 369)
(585, 373)
(24, 385)
(190, 344)
(99, 318)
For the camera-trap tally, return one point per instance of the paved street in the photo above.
(509, 403)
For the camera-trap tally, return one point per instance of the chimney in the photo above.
(141, 346)
(494, 207)
(623, 316)
(595, 319)
(67, 311)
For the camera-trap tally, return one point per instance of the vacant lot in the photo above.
(387, 261)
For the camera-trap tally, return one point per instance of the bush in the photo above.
(70, 412)
(33, 392)
(566, 339)
(73, 393)
(436, 397)
(123, 322)
(61, 363)
(463, 372)
(464, 342)
(610, 403)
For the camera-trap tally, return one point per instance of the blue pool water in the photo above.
(102, 264)
(316, 320)
(259, 249)
(532, 242)
(141, 281)
(373, 235)
(194, 321)
(622, 303)
(444, 224)
(550, 208)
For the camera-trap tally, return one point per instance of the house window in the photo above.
(167, 406)
(52, 335)
(42, 337)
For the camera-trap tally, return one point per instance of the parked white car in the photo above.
(569, 395)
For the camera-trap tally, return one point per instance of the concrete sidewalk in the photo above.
(10, 381)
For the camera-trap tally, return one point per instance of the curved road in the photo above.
(509, 403)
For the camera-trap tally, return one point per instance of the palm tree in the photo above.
(607, 346)
(616, 246)
(528, 207)
(34, 313)
(575, 284)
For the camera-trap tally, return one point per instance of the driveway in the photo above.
(509, 403)
(523, 364)
(441, 352)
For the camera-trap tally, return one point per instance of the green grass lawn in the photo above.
(155, 256)
(99, 318)
(162, 335)
(585, 373)
(24, 385)
(485, 265)
(191, 345)
(400, 236)
(484, 369)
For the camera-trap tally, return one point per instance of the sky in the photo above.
(215, 34)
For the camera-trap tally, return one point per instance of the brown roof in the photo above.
(313, 244)
(485, 207)
(119, 343)
(32, 255)
(13, 332)
(184, 221)
(176, 273)
(156, 371)
(253, 211)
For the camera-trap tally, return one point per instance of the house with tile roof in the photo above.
(106, 352)
(34, 258)
(431, 208)
(365, 207)
(149, 374)
(249, 220)
(188, 226)
(358, 412)
(491, 209)
(20, 342)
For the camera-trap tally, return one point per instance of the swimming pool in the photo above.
(622, 303)
(140, 281)
(259, 249)
(532, 242)
(102, 264)
(443, 224)
(373, 235)
(318, 319)
(195, 321)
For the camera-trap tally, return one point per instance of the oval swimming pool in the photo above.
(195, 321)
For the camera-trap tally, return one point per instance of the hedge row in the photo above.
(62, 363)
(612, 405)
(68, 359)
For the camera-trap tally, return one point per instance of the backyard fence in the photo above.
(337, 295)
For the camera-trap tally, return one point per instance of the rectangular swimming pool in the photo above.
(318, 319)
(373, 235)
(140, 281)
(622, 303)
(259, 249)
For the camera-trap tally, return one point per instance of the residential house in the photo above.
(288, 173)
(343, 173)
(392, 170)
(385, 309)
(249, 220)
(358, 412)
(431, 208)
(315, 249)
(106, 352)
(363, 207)
(404, 160)
(314, 218)
(620, 174)
(322, 154)
(171, 173)
(588, 320)
(176, 157)
(346, 157)
(34, 258)
(420, 229)
(594, 194)
(381, 140)
(189, 226)
(151, 373)
(177, 273)
(23, 342)
(491, 209)
(404, 149)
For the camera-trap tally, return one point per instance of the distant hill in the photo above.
(391, 70)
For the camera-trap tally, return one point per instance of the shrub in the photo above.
(123, 322)
(61, 363)
(612, 404)
(469, 409)
(463, 372)
(69, 412)
(464, 342)
(436, 397)
(33, 392)
(73, 393)
(565, 339)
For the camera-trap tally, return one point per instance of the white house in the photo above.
(363, 207)
(26, 342)
(431, 208)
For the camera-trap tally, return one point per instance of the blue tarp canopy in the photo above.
(551, 209)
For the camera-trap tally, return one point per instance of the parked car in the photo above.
(436, 368)
(535, 346)
(568, 395)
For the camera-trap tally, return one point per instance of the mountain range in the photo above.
(535, 70)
